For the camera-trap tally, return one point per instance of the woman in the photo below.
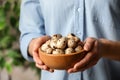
(96, 22)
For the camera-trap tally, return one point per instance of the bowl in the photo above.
(61, 61)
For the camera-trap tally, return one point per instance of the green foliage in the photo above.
(10, 55)
(2, 19)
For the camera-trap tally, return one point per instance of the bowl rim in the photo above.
(61, 54)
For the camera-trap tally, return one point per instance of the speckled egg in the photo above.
(71, 43)
(61, 43)
(58, 51)
(69, 51)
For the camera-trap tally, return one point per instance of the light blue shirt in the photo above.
(84, 18)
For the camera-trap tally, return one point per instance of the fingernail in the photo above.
(70, 71)
(86, 48)
(51, 70)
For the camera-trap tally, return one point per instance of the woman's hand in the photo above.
(91, 58)
(33, 51)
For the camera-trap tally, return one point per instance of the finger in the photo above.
(71, 70)
(89, 65)
(39, 41)
(84, 68)
(36, 58)
(81, 63)
(43, 39)
(51, 70)
(84, 61)
(44, 67)
(89, 43)
(41, 66)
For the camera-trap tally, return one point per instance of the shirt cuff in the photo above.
(24, 43)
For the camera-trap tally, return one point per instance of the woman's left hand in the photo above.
(91, 58)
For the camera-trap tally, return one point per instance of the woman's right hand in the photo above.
(33, 51)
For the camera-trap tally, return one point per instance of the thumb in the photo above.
(89, 43)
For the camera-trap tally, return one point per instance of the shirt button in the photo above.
(79, 9)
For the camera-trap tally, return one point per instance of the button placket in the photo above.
(81, 18)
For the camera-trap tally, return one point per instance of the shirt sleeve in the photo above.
(31, 24)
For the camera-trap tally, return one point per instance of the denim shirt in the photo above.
(84, 18)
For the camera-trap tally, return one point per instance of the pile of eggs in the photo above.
(59, 44)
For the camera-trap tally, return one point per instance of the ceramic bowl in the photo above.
(61, 61)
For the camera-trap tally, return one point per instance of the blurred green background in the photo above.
(10, 55)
